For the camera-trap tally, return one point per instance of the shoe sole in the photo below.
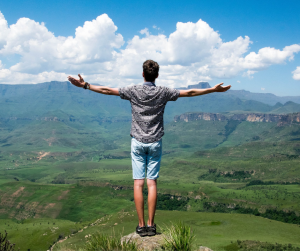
(142, 234)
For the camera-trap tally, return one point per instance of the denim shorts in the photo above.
(145, 157)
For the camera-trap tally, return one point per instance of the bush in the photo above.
(5, 244)
(178, 237)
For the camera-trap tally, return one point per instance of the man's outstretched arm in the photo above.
(198, 92)
(100, 89)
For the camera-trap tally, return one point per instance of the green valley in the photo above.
(65, 168)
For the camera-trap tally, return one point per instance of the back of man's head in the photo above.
(150, 69)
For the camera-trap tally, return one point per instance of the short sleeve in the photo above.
(125, 92)
(172, 94)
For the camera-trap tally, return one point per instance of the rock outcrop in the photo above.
(151, 243)
(200, 85)
(281, 120)
(201, 248)
(147, 243)
(200, 116)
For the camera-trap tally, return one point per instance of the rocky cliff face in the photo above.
(200, 116)
(251, 117)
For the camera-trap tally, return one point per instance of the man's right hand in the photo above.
(77, 82)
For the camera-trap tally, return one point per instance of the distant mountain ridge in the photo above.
(63, 101)
(267, 98)
(200, 85)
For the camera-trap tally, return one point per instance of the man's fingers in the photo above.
(227, 87)
(80, 77)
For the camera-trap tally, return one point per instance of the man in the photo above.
(148, 102)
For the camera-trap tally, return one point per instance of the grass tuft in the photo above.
(178, 237)
(65, 247)
(102, 242)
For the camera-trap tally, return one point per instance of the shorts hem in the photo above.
(152, 178)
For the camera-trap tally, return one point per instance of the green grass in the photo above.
(37, 234)
(22, 200)
(214, 230)
(102, 242)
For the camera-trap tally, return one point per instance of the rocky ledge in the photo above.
(151, 243)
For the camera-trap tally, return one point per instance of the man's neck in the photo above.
(149, 83)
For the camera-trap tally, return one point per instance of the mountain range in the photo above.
(64, 101)
(267, 98)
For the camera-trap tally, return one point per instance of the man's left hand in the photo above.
(220, 88)
(77, 82)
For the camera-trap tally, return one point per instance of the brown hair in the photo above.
(150, 69)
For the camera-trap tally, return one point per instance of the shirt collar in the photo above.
(149, 83)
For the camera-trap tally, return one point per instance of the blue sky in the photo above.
(44, 47)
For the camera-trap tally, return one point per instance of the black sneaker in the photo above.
(151, 230)
(142, 231)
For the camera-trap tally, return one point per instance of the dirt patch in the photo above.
(50, 140)
(42, 155)
(63, 195)
(50, 205)
(51, 210)
(16, 193)
(33, 205)
(19, 205)
(60, 241)
(2, 211)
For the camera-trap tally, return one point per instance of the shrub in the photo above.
(5, 244)
(178, 237)
(61, 236)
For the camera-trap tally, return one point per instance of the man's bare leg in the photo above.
(139, 200)
(152, 199)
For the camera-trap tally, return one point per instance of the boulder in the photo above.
(148, 243)
(201, 248)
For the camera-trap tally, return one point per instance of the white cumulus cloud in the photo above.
(193, 52)
(145, 31)
(40, 51)
(296, 73)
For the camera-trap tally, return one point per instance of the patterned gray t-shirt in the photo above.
(147, 106)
